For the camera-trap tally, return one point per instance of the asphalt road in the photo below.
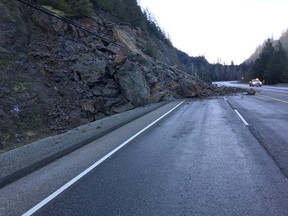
(279, 92)
(267, 115)
(199, 159)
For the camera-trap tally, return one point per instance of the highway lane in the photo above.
(199, 160)
(267, 115)
(23, 194)
(277, 92)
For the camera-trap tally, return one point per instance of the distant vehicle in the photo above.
(255, 82)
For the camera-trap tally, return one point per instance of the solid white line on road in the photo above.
(241, 117)
(74, 180)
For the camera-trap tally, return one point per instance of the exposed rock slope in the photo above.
(55, 76)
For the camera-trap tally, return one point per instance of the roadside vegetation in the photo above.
(271, 65)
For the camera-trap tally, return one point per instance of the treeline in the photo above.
(214, 72)
(125, 10)
(271, 65)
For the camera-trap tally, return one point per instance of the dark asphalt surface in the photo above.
(200, 160)
(268, 120)
(267, 115)
(21, 195)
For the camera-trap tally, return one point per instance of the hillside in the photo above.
(270, 61)
(58, 71)
(283, 39)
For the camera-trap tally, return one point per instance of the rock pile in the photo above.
(57, 77)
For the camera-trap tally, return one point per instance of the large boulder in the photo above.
(133, 83)
(189, 88)
(90, 72)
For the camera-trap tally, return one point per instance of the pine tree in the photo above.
(259, 67)
(276, 64)
(264, 60)
(281, 63)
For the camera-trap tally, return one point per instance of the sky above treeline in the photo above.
(223, 30)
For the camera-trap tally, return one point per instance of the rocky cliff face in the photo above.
(54, 76)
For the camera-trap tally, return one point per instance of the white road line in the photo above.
(243, 120)
(74, 180)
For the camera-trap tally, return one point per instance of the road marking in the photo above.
(89, 169)
(241, 117)
(274, 99)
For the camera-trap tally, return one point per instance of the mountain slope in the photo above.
(58, 73)
(270, 61)
(283, 39)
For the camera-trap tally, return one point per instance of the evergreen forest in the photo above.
(272, 64)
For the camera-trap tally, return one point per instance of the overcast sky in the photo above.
(229, 30)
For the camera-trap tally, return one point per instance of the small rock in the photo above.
(96, 91)
(87, 110)
(99, 104)
(2, 114)
(99, 116)
(123, 108)
(251, 91)
(2, 145)
(88, 107)
(120, 58)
